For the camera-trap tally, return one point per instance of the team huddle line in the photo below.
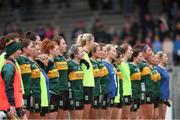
(41, 79)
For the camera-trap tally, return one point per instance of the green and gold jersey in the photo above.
(53, 76)
(104, 78)
(25, 66)
(62, 67)
(35, 80)
(75, 76)
(135, 80)
(156, 77)
(146, 77)
(96, 89)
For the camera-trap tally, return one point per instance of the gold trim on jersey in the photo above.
(136, 76)
(146, 71)
(35, 73)
(76, 75)
(158, 76)
(25, 68)
(103, 71)
(61, 65)
(53, 73)
(96, 72)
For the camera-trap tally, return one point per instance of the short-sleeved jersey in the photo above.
(62, 67)
(135, 80)
(104, 77)
(96, 89)
(75, 76)
(146, 77)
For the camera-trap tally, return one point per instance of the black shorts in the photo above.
(43, 111)
(120, 104)
(149, 99)
(54, 103)
(104, 101)
(156, 102)
(88, 95)
(78, 104)
(26, 100)
(135, 104)
(146, 98)
(71, 104)
(110, 102)
(64, 100)
(127, 100)
(96, 102)
(35, 104)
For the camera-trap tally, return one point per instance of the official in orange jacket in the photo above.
(10, 82)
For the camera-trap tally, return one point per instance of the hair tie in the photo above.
(145, 48)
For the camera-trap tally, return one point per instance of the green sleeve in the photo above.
(8, 77)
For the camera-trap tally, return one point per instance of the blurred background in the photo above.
(155, 22)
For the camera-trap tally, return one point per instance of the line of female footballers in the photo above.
(93, 80)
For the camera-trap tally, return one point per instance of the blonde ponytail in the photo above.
(83, 38)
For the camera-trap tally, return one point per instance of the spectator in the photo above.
(115, 40)
(127, 34)
(112, 35)
(143, 8)
(126, 31)
(177, 50)
(41, 31)
(163, 25)
(58, 31)
(99, 31)
(148, 41)
(167, 47)
(147, 25)
(79, 29)
(156, 45)
(174, 9)
(12, 27)
(134, 27)
(49, 31)
(177, 30)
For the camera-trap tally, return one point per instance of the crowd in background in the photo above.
(43, 60)
(159, 31)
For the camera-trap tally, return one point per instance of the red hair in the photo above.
(48, 45)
